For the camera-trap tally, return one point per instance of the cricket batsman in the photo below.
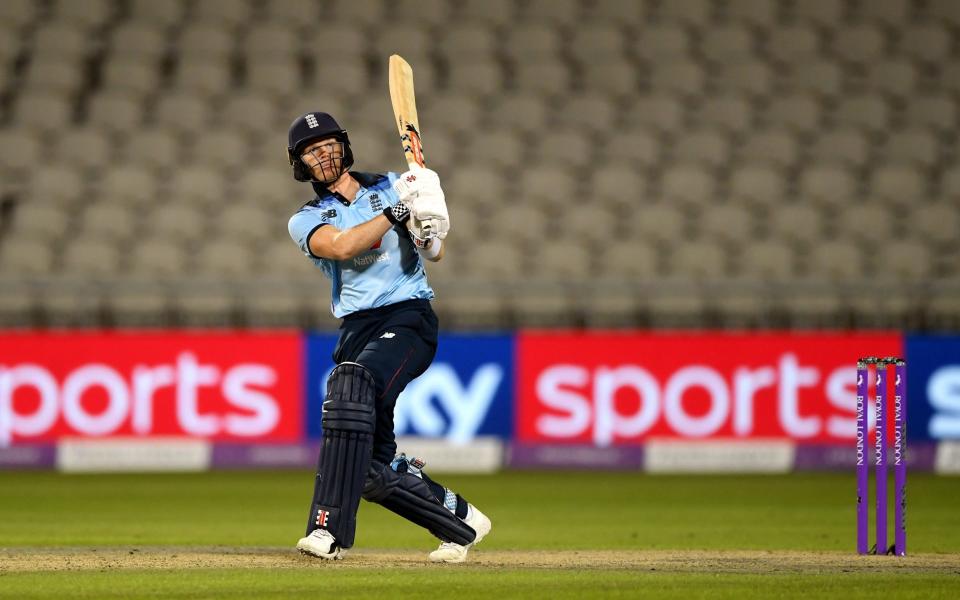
(370, 234)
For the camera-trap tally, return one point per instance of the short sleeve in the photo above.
(302, 225)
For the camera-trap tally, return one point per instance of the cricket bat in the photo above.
(405, 110)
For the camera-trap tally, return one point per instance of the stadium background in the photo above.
(676, 225)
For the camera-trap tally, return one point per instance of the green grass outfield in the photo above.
(565, 535)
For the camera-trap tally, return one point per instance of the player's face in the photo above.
(324, 158)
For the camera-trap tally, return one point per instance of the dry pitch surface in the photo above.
(733, 562)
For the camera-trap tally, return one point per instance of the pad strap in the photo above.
(410, 497)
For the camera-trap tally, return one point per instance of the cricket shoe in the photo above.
(322, 544)
(449, 552)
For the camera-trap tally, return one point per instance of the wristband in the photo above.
(398, 214)
(431, 251)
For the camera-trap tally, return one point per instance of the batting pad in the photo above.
(348, 423)
(410, 497)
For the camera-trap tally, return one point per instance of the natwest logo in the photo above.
(616, 388)
(191, 385)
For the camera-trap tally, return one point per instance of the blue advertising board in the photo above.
(933, 387)
(466, 392)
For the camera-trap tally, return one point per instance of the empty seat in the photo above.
(86, 256)
(157, 258)
(220, 148)
(688, 184)
(588, 222)
(527, 222)
(688, 12)
(252, 112)
(228, 14)
(835, 261)
(269, 186)
(917, 146)
(616, 78)
(658, 112)
(897, 77)
(662, 42)
(181, 222)
(657, 223)
(367, 13)
(618, 186)
(200, 184)
(84, 147)
(248, 223)
(864, 222)
(697, 259)
(849, 147)
(629, 260)
(869, 112)
(271, 41)
(205, 78)
(277, 79)
(60, 39)
(821, 77)
(795, 223)
(139, 41)
(754, 12)
(770, 259)
(937, 223)
(229, 258)
(794, 44)
(889, 12)
(64, 185)
(115, 111)
(826, 13)
(489, 12)
(936, 111)
(206, 41)
(42, 220)
(520, 112)
(589, 112)
(555, 12)
(351, 76)
(797, 112)
(727, 43)
(495, 262)
(729, 112)
(704, 146)
(20, 150)
(108, 221)
(825, 181)
(560, 259)
(25, 256)
(564, 147)
(681, 78)
(859, 44)
(775, 146)
(904, 260)
(498, 147)
(635, 148)
(416, 13)
(925, 42)
(282, 258)
(182, 112)
(294, 13)
(542, 78)
(757, 184)
(482, 77)
(726, 223)
(43, 111)
(152, 147)
(52, 76)
(540, 306)
(454, 112)
(466, 40)
(597, 42)
(531, 42)
(128, 184)
(135, 76)
(898, 184)
(751, 78)
(19, 12)
(158, 13)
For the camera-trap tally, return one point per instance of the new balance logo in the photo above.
(388, 335)
(312, 121)
(322, 516)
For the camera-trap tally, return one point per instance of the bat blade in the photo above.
(405, 109)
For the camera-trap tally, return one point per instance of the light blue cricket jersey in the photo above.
(389, 272)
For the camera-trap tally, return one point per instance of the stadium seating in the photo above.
(696, 162)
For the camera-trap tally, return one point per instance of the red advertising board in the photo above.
(212, 385)
(624, 388)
